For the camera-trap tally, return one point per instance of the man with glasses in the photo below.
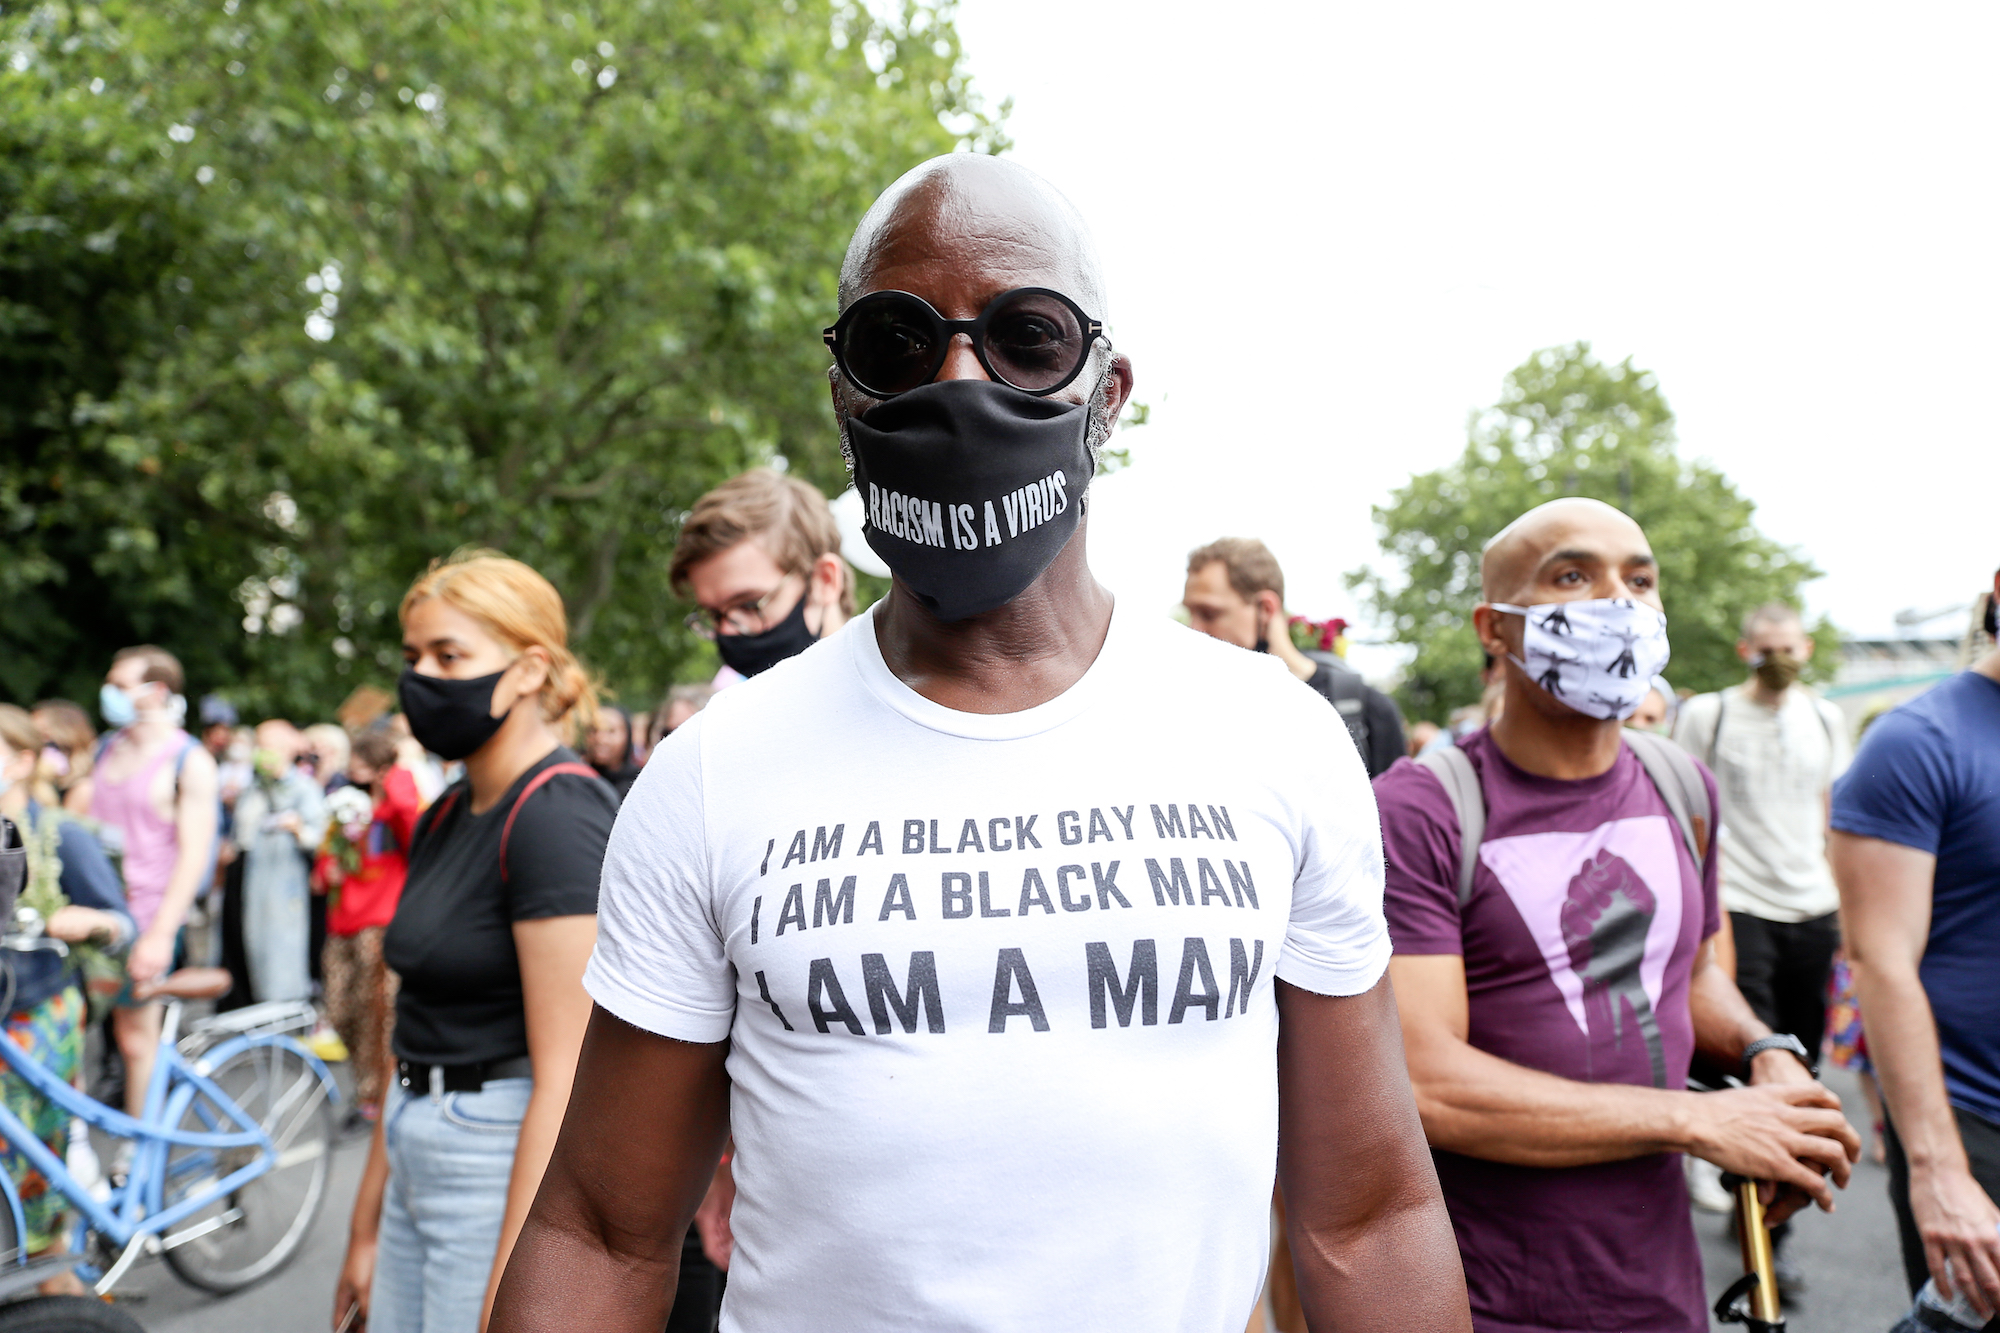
(760, 557)
(1004, 984)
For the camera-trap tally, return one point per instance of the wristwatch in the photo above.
(1778, 1041)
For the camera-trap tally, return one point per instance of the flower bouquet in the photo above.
(350, 811)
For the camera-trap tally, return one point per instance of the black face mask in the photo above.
(749, 654)
(450, 718)
(972, 488)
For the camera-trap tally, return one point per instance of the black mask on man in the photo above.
(749, 654)
(450, 718)
(972, 488)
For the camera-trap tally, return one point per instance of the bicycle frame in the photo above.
(137, 1210)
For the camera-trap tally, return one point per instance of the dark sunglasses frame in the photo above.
(948, 329)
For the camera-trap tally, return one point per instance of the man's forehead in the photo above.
(1563, 530)
(1584, 543)
(979, 225)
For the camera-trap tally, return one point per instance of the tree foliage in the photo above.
(296, 295)
(1567, 424)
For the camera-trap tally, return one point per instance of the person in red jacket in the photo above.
(360, 989)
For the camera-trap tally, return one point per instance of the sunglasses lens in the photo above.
(1035, 341)
(890, 343)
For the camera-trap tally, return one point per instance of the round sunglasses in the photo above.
(1032, 338)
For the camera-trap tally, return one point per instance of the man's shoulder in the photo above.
(1178, 659)
(1413, 789)
(1701, 709)
(816, 681)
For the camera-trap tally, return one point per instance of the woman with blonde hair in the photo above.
(490, 938)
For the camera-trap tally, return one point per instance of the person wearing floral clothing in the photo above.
(363, 869)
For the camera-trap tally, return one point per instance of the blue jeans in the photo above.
(449, 1160)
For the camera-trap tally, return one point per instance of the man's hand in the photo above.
(1961, 1228)
(1786, 1133)
(1781, 1067)
(150, 958)
(718, 1242)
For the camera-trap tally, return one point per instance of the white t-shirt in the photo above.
(998, 987)
(1773, 768)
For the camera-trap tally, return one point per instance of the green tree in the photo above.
(1567, 424)
(296, 295)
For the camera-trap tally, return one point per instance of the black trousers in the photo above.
(1982, 1147)
(1782, 969)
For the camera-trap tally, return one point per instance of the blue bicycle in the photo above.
(229, 1168)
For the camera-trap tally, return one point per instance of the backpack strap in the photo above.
(433, 815)
(1454, 772)
(535, 784)
(1674, 772)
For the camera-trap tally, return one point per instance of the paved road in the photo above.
(298, 1300)
(1850, 1260)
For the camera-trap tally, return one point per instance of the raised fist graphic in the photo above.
(1604, 923)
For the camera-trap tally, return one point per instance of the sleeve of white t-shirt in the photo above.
(659, 963)
(1843, 747)
(1695, 724)
(1338, 941)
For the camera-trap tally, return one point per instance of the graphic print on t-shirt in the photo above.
(1000, 868)
(1604, 907)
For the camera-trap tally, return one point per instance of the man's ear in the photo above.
(1271, 614)
(1121, 392)
(1743, 649)
(826, 580)
(1806, 656)
(1486, 624)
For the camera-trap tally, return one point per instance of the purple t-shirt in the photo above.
(1586, 913)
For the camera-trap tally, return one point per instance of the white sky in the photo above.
(1331, 229)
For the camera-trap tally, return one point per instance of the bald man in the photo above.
(1003, 989)
(1550, 1012)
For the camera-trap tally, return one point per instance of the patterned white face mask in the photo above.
(1597, 656)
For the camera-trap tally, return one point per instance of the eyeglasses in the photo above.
(747, 618)
(1031, 338)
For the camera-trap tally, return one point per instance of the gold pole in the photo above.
(1755, 1239)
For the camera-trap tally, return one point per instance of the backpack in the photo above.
(1673, 771)
(429, 819)
(1349, 698)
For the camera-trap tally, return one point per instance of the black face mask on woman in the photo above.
(450, 718)
(972, 488)
(749, 654)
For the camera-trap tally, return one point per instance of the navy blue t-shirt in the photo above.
(1928, 776)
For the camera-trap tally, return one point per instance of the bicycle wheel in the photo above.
(66, 1314)
(252, 1231)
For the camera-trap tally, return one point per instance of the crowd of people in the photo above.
(623, 1043)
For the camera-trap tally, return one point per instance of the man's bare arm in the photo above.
(1885, 911)
(1483, 1106)
(1371, 1240)
(601, 1248)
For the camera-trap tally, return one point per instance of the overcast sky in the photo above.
(1331, 229)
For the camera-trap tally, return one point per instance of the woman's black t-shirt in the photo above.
(452, 939)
